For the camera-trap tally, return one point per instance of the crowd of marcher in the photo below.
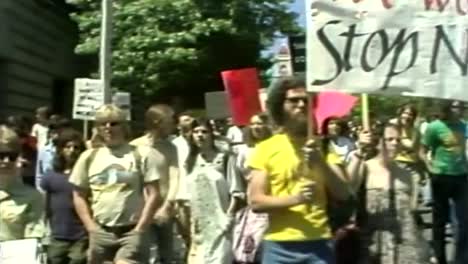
(267, 192)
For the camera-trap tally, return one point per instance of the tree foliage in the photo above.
(385, 107)
(171, 47)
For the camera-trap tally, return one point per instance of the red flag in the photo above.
(332, 104)
(242, 88)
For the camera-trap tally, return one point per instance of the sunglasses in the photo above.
(296, 100)
(110, 123)
(11, 155)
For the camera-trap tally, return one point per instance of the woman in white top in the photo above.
(213, 198)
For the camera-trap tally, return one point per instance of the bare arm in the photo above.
(356, 169)
(152, 201)
(259, 194)
(173, 185)
(357, 166)
(80, 200)
(335, 177)
(423, 150)
(165, 212)
(34, 225)
(234, 205)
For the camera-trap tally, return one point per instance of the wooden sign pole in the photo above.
(365, 112)
(311, 124)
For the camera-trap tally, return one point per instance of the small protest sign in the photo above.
(20, 251)
(217, 106)
(88, 96)
(242, 87)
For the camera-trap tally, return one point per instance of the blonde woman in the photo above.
(389, 234)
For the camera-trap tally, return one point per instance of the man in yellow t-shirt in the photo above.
(294, 195)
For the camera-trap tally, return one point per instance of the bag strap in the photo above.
(136, 155)
(138, 163)
(90, 159)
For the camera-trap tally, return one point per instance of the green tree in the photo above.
(178, 47)
(385, 107)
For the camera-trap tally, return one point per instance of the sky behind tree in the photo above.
(299, 7)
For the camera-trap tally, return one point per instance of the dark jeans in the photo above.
(67, 252)
(446, 189)
(298, 252)
(162, 243)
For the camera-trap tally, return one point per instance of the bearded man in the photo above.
(291, 181)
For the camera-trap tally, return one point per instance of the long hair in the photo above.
(249, 138)
(65, 136)
(194, 149)
(383, 145)
(277, 96)
(403, 108)
(326, 137)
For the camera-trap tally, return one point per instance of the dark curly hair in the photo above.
(277, 95)
(64, 137)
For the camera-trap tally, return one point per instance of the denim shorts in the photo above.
(298, 252)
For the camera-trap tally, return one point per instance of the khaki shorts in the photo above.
(122, 243)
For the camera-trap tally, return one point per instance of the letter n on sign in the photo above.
(242, 87)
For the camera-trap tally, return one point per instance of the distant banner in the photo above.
(404, 47)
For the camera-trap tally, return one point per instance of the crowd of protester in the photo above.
(266, 192)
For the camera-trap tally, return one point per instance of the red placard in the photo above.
(332, 104)
(242, 87)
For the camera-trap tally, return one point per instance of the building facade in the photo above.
(37, 59)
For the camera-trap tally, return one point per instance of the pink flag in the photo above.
(332, 104)
(242, 87)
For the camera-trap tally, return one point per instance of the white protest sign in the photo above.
(123, 100)
(19, 251)
(89, 96)
(406, 47)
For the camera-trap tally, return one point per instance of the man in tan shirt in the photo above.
(159, 124)
(117, 192)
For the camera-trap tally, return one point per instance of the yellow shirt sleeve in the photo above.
(258, 159)
(333, 158)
